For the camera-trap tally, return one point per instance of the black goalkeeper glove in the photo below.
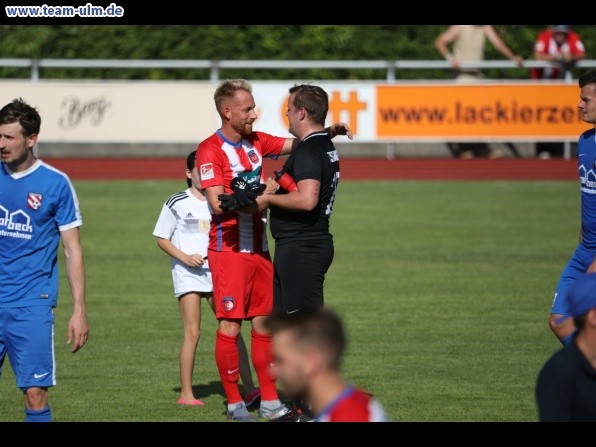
(244, 195)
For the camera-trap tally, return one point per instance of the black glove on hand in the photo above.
(244, 194)
(228, 202)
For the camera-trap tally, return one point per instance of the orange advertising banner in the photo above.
(520, 111)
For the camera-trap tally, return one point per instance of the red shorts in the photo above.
(242, 284)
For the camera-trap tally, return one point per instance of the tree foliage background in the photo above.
(251, 42)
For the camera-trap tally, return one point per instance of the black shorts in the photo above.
(299, 273)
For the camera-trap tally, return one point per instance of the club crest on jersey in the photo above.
(207, 172)
(204, 225)
(228, 303)
(34, 201)
(253, 156)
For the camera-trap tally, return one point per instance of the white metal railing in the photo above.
(214, 66)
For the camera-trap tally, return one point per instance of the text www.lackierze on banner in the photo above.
(87, 10)
(487, 114)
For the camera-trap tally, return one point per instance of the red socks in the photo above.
(228, 362)
(261, 353)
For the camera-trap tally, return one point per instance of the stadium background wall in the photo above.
(167, 118)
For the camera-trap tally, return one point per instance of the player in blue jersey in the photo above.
(583, 259)
(38, 208)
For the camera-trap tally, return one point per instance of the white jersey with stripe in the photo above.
(185, 221)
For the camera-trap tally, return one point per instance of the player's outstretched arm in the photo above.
(78, 328)
(333, 131)
(340, 129)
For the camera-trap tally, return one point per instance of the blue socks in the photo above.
(43, 415)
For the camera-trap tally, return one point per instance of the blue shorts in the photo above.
(27, 336)
(576, 267)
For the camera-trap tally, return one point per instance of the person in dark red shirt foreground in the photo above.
(307, 350)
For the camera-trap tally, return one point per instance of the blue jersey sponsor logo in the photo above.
(15, 224)
(587, 176)
(587, 179)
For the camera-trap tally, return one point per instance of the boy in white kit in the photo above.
(182, 231)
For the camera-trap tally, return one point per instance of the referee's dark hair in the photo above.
(314, 99)
(191, 162)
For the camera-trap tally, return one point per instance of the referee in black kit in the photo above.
(302, 205)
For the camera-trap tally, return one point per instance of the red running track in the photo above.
(351, 168)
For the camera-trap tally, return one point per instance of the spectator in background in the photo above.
(468, 43)
(563, 47)
(566, 385)
(560, 45)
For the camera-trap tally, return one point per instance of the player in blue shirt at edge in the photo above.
(583, 259)
(38, 208)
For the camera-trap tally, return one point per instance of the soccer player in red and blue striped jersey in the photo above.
(241, 266)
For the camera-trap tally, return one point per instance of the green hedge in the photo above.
(261, 42)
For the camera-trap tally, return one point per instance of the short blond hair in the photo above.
(228, 88)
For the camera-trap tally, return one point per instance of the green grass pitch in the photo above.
(444, 287)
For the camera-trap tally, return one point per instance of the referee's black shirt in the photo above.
(314, 158)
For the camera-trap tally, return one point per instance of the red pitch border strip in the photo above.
(351, 168)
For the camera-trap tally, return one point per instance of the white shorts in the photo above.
(191, 279)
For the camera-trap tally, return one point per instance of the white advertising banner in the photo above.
(118, 112)
(169, 112)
